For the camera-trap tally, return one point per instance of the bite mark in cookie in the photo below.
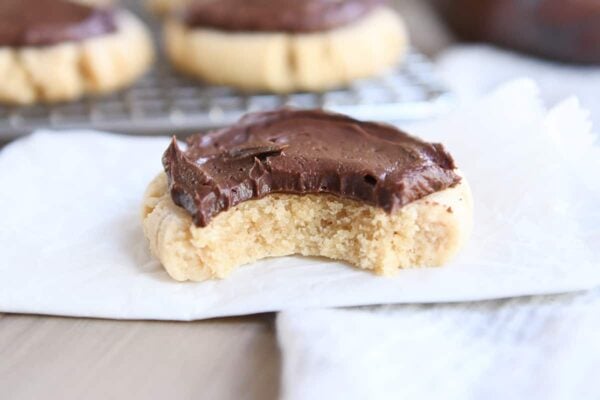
(305, 182)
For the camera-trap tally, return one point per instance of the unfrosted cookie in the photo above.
(58, 50)
(287, 45)
(310, 183)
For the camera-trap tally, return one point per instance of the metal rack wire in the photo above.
(164, 102)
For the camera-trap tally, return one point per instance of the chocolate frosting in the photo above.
(302, 152)
(565, 30)
(47, 22)
(278, 15)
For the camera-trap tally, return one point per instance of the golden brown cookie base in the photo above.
(282, 62)
(427, 232)
(165, 7)
(69, 70)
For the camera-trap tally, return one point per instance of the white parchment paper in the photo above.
(71, 241)
(543, 347)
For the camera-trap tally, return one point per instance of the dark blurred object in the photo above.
(565, 30)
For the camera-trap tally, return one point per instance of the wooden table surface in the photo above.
(68, 358)
(234, 358)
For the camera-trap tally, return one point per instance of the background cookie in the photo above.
(70, 69)
(288, 61)
(164, 7)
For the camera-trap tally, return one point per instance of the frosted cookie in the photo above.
(310, 183)
(57, 50)
(285, 45)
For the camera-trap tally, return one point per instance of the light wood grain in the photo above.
(61, 358)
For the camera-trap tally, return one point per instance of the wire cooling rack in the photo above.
(164, 102)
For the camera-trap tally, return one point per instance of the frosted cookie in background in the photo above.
(60, 50)
(286, 45)
(561, 30)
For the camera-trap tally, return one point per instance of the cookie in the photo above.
(566, 31)
(165, 7)
(310, 183)
(58, 50)
(285, 46)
